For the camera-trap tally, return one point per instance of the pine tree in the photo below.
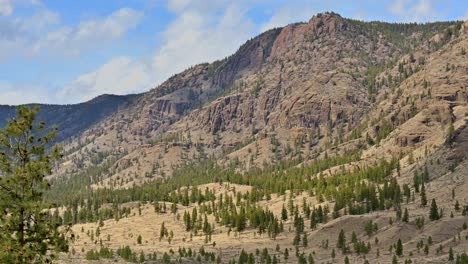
(426, 249)
(284, 214)
(399, 248)
(26, 233)
(405, 216)
(341, 243)
(434, 211)
(423, 195)
(162, 232)
(313, 220)
(450, 134)
(450, 255)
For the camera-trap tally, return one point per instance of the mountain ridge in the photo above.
(260, 100)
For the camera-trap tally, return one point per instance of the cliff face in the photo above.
(315, 77)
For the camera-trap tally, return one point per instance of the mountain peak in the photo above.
(328, 23)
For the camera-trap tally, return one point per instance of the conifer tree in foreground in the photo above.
(26, 233)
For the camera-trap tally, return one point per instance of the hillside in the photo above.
(322, 142)
(72, 120)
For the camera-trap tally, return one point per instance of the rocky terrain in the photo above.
(313, 115)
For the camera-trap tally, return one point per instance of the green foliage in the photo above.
(419, 222)
(405, 216)
(423, 195)
(102, 253)
(434, 211)
(462, 258)
(127, 254)
(27, 233)
(400, 33)
(450, 134)
(370, 227)
(341, 243)
(399, 248)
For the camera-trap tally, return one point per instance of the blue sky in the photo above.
(56, 51)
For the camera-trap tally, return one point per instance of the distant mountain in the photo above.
(75, 118)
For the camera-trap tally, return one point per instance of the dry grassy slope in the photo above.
(445, 232)
(304, 81)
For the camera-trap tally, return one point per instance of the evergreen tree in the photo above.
(405, 216)
(305, 242)
(341, 243)
(27, 234)
(423, 195)
(284, 214)
(434, 211)
(162, 232)
(451, 255)
(399, 248)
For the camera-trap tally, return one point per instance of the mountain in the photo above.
(333, 140)
(289, 93)
(71, 120)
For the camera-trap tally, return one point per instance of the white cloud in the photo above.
(291, 12)
(6, 7)
(17, 33)
(14, 94)
(202, 32)
(177, 5)
(118, 76)
(195, 36)
(39, 21)
(88, 34)
(465, 16)
(414, 10)
(42, 33)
